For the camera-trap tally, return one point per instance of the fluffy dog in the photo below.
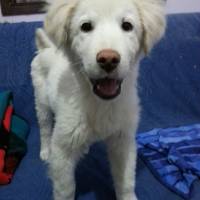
(85, 80)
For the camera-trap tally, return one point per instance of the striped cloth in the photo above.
(13, 133)
(173, 156)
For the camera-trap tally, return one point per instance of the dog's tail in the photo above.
(42, 40)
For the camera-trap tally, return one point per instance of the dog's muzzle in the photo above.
(107, 88)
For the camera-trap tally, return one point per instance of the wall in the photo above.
(177, 6)
(173, 6)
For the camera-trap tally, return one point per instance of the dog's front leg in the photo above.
(122, 155)
(67, 145)
(61, 171)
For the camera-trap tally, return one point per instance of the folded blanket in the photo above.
(13, 132)
(173, 156)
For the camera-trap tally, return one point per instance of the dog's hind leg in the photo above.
(45, 120)
(39, 73)
(122, 156)
(44, 114)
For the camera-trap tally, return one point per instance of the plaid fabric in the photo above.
(13, 133)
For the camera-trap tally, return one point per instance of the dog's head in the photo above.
(106, 36)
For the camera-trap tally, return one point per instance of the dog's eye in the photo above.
(127, 26)
(87, 27)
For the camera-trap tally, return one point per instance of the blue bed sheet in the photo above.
(169, 87)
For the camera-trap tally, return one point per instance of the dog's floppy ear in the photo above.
(58, 19)
(152, 14)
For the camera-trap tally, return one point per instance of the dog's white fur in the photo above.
(70, 115)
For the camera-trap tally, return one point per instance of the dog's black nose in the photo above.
(108, 60)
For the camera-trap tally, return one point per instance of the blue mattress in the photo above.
(169, 87)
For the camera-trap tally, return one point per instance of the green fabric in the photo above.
(16, 146)
(4, 100)
(19, 127)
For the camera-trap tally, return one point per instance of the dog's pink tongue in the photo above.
(108, 87)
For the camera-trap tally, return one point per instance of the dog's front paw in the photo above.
(134, 197)
(44, 154)
(130, 196)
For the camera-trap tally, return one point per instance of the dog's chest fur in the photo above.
(100, 118)
(108, 118)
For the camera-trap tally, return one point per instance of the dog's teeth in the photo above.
(98, 87)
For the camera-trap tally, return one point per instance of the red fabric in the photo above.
(7, 118)
(4, 177)
(11, 162)
(2, 159)
(7, 165)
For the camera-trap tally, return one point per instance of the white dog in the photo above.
(85, 80)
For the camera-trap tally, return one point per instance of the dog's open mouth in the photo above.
(107, 88)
